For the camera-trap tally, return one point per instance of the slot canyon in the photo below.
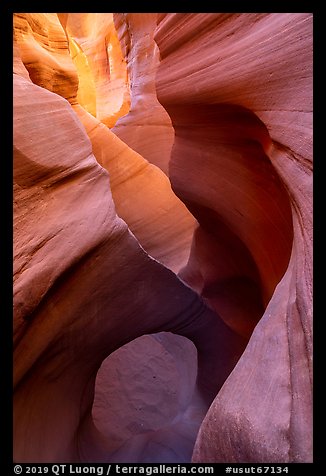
(162, 237)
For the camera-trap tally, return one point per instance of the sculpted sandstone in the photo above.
(264, 174)
(147, 128)
(103, 88)
(187, 218)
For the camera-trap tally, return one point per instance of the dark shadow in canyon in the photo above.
(220, 169)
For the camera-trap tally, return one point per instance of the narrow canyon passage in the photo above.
(162, 237)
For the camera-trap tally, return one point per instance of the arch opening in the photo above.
(145, 402)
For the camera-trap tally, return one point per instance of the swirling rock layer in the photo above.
(108, 261)
(249, 77)
(72, 312)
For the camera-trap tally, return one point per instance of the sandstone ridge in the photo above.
(162, 237)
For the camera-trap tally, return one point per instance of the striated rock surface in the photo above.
(143, 197)
(42, 47)
(83, 287)
(242, 118)
(105, 255)
(243, 247)
(141, 192)
(103, 88)
(147, 128)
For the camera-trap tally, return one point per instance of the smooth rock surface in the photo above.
(142, 196)
(264, 411)
(147, 128)
(154, 376)
(83, 288)
(108, 261)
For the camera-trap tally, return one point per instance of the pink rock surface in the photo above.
(83, 287)
(142, 196)
(147, 128)
(99, 237)
(220, 169)
(141, 192)
(263, 413)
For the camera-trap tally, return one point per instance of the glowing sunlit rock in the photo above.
(95, 49)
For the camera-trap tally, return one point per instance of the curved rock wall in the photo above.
(94, 47)
(141, 192)
(242, 118)
(102, 244)
(147, 128)
(83, 286)
(42, 47)
(143, 197)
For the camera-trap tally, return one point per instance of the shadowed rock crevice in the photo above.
(222, 103)
(103, 88)
(120, 278)
(147, 128)
(220, 170)
(81, 304)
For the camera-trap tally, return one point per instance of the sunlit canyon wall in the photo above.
(162, 237)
